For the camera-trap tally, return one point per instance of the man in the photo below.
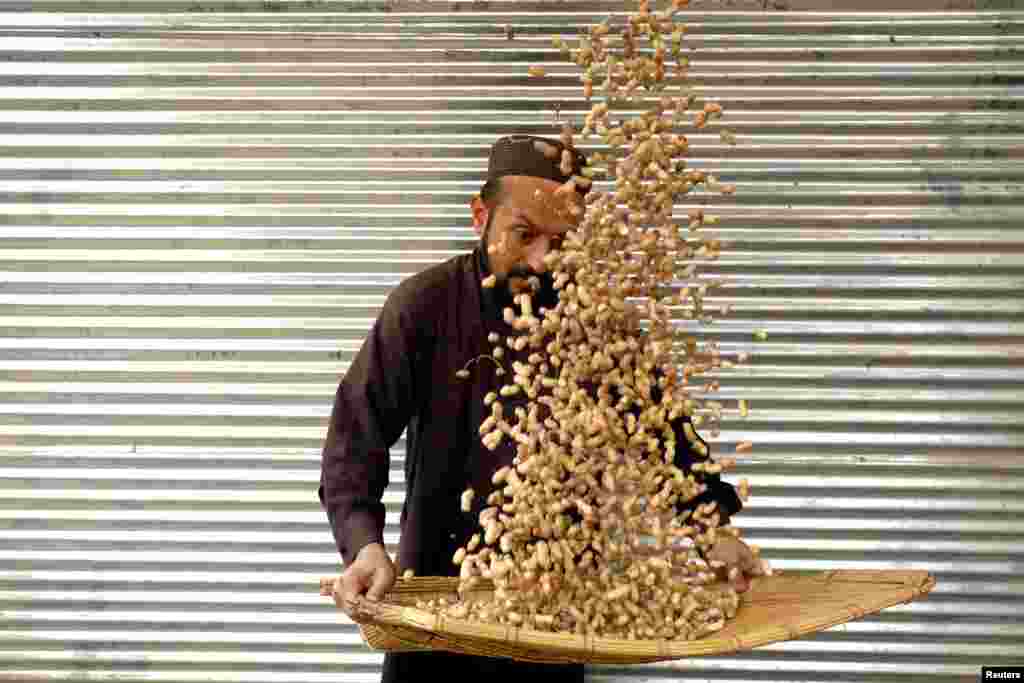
(404, 377)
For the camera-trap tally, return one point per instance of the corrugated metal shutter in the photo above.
(204, 204)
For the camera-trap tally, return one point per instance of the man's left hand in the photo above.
(735, 553)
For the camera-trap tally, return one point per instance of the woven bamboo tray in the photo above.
(776, 608)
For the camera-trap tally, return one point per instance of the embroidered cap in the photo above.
(530, 155)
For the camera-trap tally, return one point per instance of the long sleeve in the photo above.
(373, 405)
(717, 490)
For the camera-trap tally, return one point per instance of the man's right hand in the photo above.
(371, 574)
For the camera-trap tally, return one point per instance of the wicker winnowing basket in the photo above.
(777, 608)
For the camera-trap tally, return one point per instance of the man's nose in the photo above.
(535, 257)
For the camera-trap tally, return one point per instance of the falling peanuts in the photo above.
(500, 476)
(493, 532)
(744, 408)
(474, 542)
(617, 594)
(581, 533)
(744, 446)
(537, 71)
(467, 500)
(761, 335)
(691, 434)
(489, 281)
(525, 304)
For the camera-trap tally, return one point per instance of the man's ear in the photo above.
(480, 215)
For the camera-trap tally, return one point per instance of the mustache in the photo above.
(546, 279)
(523, 272)
(545, 297)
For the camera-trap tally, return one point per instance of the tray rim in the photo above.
(392, 627)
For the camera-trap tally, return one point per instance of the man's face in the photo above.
(520, 231)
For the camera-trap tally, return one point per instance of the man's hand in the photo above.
(371, 573)
(736, 554)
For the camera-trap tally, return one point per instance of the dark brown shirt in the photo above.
(404, 378)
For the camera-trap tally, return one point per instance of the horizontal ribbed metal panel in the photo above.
(203, 206)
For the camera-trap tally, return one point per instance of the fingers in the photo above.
(742, 583)
(748, 562)
(353, 584)
(383, 579)
(738, 579)
(740, 563)
(737, 553)
(727, 553)
(748, 567)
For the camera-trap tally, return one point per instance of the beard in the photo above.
(545, 296)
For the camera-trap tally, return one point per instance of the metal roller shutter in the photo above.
(204, 204)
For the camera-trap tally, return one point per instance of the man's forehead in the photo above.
(539, 207)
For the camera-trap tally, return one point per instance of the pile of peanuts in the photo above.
(582, 534)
